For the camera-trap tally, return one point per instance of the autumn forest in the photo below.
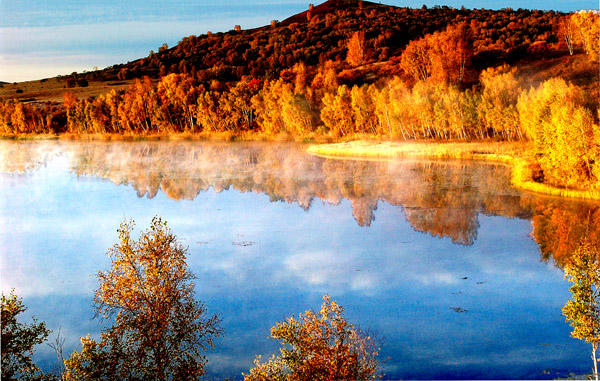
(346, 69)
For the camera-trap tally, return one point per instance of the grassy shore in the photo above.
(515, 154)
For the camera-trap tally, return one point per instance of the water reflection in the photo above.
(444, 237)
(441, 198)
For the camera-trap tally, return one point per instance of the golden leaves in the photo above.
(321, 346)
(159, 329)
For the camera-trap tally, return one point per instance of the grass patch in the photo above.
(53, 90)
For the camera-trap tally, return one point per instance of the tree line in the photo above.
(557, 117)
(161, 331)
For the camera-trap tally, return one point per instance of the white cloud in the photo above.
(34, 52)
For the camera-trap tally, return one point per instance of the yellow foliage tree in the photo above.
(363, 107)
(582, 311)
(393, 109)
(498, 106)
(296, 113)
(337, 113)
(565, 134)
(587, 25)
(207, 111)
(268, 106)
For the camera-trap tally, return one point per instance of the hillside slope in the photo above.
(321, 34)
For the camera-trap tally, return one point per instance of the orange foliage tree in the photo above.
(137, 111)
(498, 106)
(416, 59)
(452, 52)
(356, 49)
(566, 31)
(160, 330)
(76, 121)
(177, 94)
(323, 346)
(443, 56)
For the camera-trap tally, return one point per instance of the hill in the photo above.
(321, 34)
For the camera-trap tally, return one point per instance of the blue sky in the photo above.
(45, 38)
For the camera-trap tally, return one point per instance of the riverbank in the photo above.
(526, 173)
(203, 135)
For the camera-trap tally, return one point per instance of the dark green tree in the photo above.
(18, 341)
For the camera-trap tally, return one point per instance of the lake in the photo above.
(457, 272)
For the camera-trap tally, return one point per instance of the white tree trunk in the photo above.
(594, 346)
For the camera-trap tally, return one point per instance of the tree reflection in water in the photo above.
(516, 305)
(441, 198)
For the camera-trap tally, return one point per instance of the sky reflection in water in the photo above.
(436, 257)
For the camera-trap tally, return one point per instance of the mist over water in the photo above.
(456, 271)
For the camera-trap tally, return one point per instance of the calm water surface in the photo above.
(456, 271)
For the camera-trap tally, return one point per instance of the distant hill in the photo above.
(321, 33)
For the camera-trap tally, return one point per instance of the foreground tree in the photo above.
(583, 311)
(18, 341)
(160, 331)
(321, 346)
